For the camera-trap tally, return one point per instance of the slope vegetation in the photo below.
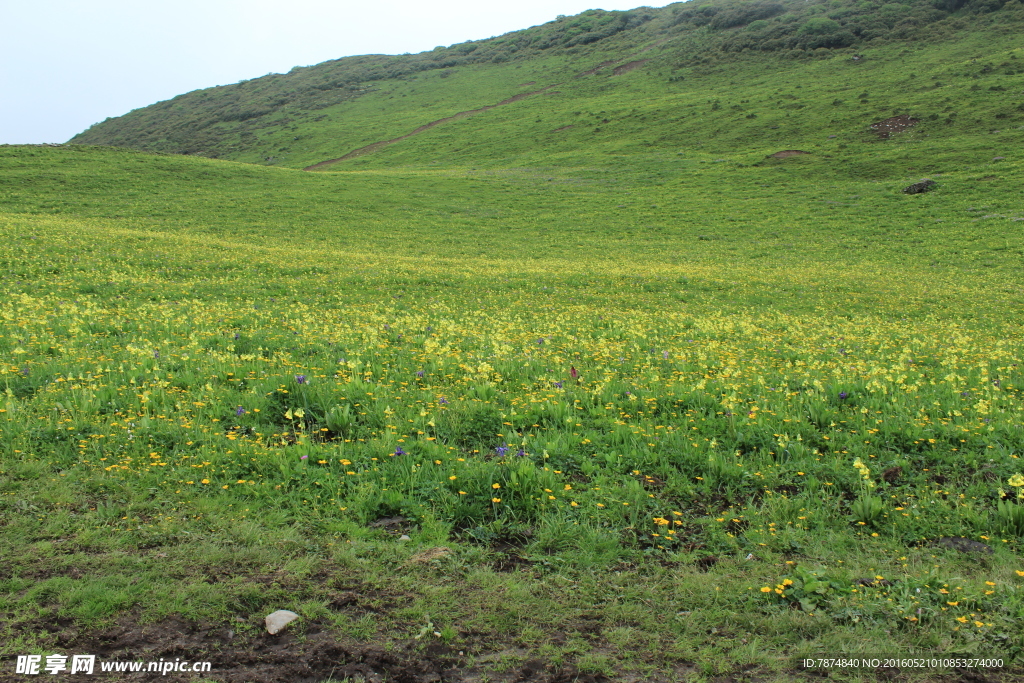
(639, 77)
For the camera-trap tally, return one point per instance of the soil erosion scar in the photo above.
(461, 115)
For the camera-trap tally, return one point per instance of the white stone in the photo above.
(279, 619)
(403, 537)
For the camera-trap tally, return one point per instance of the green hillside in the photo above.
(722, 77)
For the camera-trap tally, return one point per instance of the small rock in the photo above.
(404, 537)
(278, 620)
(918, 188)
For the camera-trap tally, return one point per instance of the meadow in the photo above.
(676, 420)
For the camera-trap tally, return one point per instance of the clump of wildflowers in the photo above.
(1009, 512)
(867, 509)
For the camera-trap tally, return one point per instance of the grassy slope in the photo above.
(753, 275)
(691, 65)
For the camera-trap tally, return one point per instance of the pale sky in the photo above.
(67, 64)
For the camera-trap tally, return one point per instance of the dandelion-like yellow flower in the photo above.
(495, 486)
(766, 589)
(1016, 480)
(495, 500)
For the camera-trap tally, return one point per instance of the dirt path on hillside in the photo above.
(427, 126)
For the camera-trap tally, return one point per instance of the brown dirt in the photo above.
(427, 126)
(429, 555)
(591, 72)
(246, 653)
(893, 124)
(786, 153)
(629, 66)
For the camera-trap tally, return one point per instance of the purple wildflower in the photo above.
(558, 385)
(843, 395)
(237, 335)
(300, 379)
(24, 371)
(240, 411)
(521, 453)
(419, 373)
(442, 401)
(501, 451)
(399, 451)
(303, 457)
(156, 354)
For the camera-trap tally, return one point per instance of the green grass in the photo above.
(149, 298)
(670, 406)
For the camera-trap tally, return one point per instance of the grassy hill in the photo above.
(645, 401)
(723, 77)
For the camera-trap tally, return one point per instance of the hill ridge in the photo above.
(731, 55)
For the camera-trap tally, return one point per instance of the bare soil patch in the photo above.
(786, 153)
(591, 72)
(894, 124)
(246, 653)
(629, 66)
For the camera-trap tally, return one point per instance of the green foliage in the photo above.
(867, 510)
(807, 589)
(1010, 517)
(325, 111)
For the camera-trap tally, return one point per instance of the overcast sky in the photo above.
(67, 64)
